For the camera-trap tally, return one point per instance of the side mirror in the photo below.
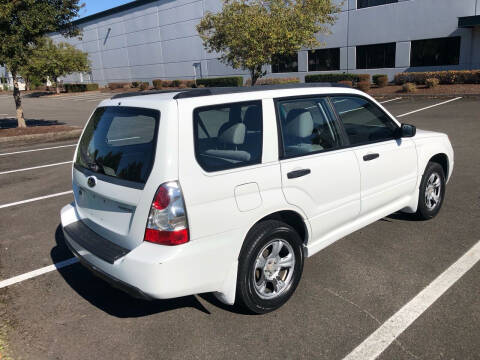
(406, 131)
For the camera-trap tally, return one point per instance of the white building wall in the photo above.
(159, 39)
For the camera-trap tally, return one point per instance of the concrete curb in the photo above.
(45, 137)
(425, 96)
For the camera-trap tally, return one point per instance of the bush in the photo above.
(333, 78)
(79, 87)
(221, 81)
(118, 85)
(409, 88)
(144, 86)
(157, 84)
(363, 85)
(274, 81)
(432, 83)
(135, 84)
(345, 82)
(444, 77)
(380, 80)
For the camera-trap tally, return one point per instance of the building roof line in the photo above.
(115, 10)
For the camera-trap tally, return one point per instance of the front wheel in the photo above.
(270, 266)
(432, 192)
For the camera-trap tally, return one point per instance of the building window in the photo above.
(376, 56)
(369, 3)
(324, 59)
(285, 63)
(435, 52)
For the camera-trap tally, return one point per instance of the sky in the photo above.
(95, 6)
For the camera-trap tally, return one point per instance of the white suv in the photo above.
(229, 190)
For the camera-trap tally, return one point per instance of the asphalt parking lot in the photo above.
(348, 291)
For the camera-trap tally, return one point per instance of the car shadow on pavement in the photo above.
(11, 122)
(105, 297)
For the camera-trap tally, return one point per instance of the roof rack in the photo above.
(190, 93)
(149, 92)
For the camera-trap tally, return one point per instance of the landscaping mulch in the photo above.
(34, 130)
(460, 89)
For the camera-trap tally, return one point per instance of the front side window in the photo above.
(285, 63)
(228, 135)
(119, 142)
(324, 59)
(376, 56)
(363, 121)
(308, 126)
(435, 52)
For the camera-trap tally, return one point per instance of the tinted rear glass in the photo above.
(120, 142)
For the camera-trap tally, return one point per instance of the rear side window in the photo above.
(308, 126)
(228, 135)
(119, 142)
(364, 122)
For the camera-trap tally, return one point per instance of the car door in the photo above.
(319, 174)
(388, 165)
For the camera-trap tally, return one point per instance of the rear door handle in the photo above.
(298, 173)
(370, 157)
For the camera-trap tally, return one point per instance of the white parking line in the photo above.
(34, 167)
(33, 150)
(38, 272)
(429, 107)
(387, 101)
(35, 199)
(377, 342)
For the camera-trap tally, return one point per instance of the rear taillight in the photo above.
(167, 221)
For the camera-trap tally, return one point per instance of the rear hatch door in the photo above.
(114, 159)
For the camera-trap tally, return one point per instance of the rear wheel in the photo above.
(432, 192)
(270, 266)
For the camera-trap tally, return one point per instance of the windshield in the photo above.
(120, 142)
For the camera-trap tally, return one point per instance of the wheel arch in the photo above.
(442, 160)
(289, 217)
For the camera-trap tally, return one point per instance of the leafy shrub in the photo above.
(333, 78)
(409, 88)
(118, 85)
(274, 81)
(363, 85)
(221, 81)
(166, 83)
(432, 83)
(79, 87)
(144, 85)
(157, 84)
(380, 80)
(444, 77)
(345, 82)
(135, 84)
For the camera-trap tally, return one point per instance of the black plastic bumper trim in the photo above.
(94, 243)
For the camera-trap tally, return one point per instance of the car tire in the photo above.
(270, 267)
(432, 192)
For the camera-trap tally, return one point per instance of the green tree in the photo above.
(248, 33)
(23, 23)
(53, 61)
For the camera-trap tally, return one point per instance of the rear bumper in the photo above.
(116, 283)
(157, 271)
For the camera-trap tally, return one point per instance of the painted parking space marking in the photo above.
(35, 199)
(387, 101)
(35, 167)
(429, 107)
(38, 272)
(33, 150)
(390, 330)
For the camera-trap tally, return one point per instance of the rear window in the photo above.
(120, 142)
